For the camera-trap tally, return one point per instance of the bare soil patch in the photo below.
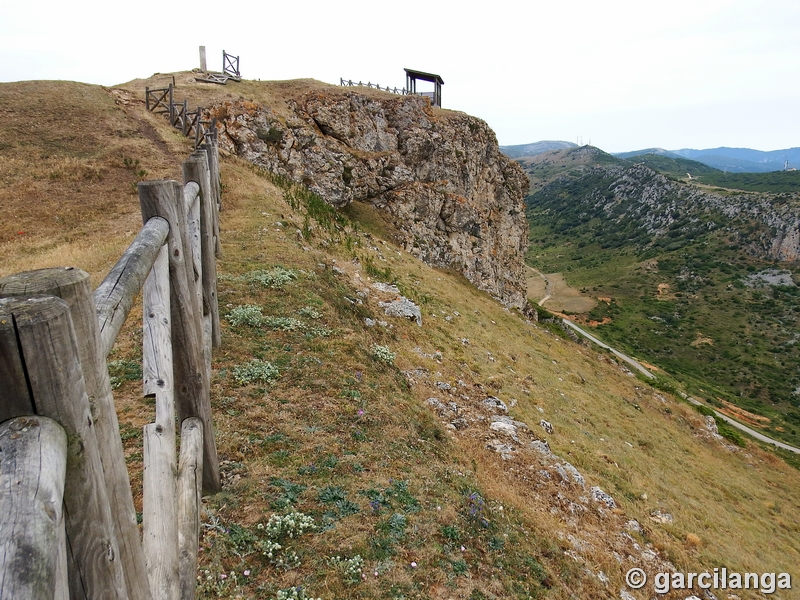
(743, 416)
(563, 297)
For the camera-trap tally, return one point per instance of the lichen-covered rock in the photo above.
(456, 200)
(662, 517)
(569, 474)
(634, 526)
(542, 447)
(494, 404)
(504, 428)
(506, 451)
(598, 495)
(403, 308)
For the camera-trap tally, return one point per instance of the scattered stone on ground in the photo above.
(598, 495)
(494, 403)
(658, 516)
(403, 308)
(634, 526)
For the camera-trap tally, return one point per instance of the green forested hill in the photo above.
(686, 169)
(692, 279)
(675, 167)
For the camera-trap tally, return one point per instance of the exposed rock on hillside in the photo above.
(439, 175)
(644, 206)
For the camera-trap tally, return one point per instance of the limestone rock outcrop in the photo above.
(456, 200)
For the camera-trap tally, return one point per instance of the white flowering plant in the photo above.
(275, 535)
(275, 278)
(295, 593)
(284, 323)
(255, 371)
(351, 568)
(247, 314)
(382, 354)
(310, 313)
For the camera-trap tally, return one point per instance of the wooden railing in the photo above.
(376, 86)
(230, 71)
(67, 520)
(230, 66)
(162, 101)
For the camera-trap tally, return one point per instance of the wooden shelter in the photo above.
(436, 80)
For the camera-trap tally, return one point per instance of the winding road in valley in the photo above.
(548, 286)
(638, 366)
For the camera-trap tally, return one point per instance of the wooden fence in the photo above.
(230, 71)
(67, 520)
(401, 91)
(191, 124)
(230, 66)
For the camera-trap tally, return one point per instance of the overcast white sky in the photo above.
(623, 74)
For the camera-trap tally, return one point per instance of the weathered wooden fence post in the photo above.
(192, 396)
(33, 463)
(45, 342)
(185, 120)
(211, 148)
(190, 471)
(196, 169)
(192, 203)
(157, 360)
(160, 502)
(159, 518)
(73, 286)
(171, 105)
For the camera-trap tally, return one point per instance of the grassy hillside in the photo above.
(319, 413)
(775, 181)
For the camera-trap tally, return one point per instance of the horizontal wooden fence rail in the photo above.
(116, 294)
(370, 85)
(190, 123)
(67, 519)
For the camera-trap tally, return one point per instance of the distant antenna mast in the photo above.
(786, 165)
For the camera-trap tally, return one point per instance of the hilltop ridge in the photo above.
(729, 160)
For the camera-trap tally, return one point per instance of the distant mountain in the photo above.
(647, 151)
(548, 166)
(731, 160)
(673, 165)
(535, 148)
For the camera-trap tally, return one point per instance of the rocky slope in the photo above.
(439, 175)
(646, 206)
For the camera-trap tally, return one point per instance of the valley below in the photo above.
(701, 281)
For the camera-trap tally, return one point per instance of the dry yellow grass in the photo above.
(734, 507)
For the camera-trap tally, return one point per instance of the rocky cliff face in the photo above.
(439, 175)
